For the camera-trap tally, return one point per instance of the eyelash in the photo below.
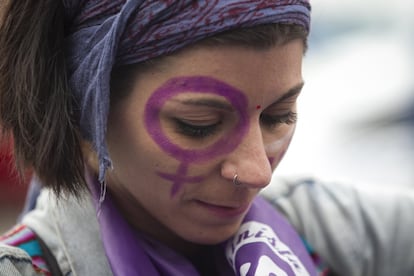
(203, 131)
(196, 131)
(272, 121)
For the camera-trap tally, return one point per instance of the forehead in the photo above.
(222, 58)
(249, 70)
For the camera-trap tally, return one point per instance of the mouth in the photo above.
(224, 211)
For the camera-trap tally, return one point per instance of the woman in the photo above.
(153, 125)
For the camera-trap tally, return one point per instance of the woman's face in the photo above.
(187, 128)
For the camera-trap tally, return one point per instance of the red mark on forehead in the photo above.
(258, 106)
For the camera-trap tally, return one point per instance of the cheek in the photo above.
(276, 149)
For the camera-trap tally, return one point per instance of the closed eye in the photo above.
(197, 131)
(272, 121)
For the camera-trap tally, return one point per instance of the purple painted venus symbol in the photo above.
(202, 85)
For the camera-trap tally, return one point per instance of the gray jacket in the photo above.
(363, 231)
(70, 230)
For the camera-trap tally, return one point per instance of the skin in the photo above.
(210, 210)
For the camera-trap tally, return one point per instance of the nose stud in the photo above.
(236, 182)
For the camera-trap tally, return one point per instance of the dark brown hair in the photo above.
(35, 102)
(36, 105)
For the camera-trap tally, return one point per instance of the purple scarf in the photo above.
(266, 244)
(101, 34)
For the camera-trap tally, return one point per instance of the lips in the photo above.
(224, 211)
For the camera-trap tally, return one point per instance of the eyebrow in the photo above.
(291, 92)
(228, 107)
(208, 102)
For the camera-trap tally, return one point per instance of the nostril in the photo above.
(253, 177)
(254, 171)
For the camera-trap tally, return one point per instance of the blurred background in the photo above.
(356, 112)
(12, 190)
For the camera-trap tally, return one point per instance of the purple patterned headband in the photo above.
(106, 33)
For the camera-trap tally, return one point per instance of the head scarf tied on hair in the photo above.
(101, 34)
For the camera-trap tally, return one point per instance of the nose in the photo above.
(249, 161)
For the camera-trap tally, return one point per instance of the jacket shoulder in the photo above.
(21, 249)
(15, 261)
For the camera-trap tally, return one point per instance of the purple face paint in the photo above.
(226, 144)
